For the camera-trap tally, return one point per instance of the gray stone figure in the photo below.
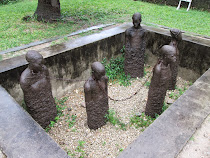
(159, 82)
(176, 38)
(135, 45)
(96, 97)
(35, 83)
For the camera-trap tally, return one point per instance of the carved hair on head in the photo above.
(137, 16)
(176, 33)
(32, 56)
(98, 67)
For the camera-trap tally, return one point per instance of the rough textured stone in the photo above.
(160, 81)
(35, 83)
(169, 133)
(135, 46)
(176, 38)
(96, 97)
(21, 136)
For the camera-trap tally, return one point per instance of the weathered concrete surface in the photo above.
(21, 136)
(72, 60)
(166, 137)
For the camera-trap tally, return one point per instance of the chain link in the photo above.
(124, 99)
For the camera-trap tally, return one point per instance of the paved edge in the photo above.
(167, 136)
(21, 136)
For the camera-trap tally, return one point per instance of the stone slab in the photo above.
(166, 137)
(21, 136)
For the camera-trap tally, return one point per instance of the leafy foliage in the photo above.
(114, 120)
(141, 121)
(60, 107)
(115, 70)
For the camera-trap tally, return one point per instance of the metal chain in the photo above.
(124, 99)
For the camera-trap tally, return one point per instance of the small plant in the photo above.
(59, 105)
(165, 106)
(147, 84)
(171, 95)
(80, 149)
(104, 143)
(74, 130)
(192, 138)
(115, 70)
(121, 149)
(114, 120)
(141, 121)
(71, 120)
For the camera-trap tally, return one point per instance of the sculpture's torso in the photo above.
(174, 69)
(97, 102)
(38, 96)
(157, 89)
(134, 52)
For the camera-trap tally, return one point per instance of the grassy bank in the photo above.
(78, 14)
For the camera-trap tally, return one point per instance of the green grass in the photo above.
(115, 70)
(114, 120)
(78, 14)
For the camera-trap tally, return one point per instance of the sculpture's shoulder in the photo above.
(128, 31)
(24, 76)
(45, 70)
(105, 78)
(87, 85)
(157, 67)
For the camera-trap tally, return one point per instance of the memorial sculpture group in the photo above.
(35, 80)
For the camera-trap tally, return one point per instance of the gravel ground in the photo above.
(108, 141)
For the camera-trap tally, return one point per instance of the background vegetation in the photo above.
(78, 14)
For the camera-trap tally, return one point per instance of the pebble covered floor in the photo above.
(107, 142)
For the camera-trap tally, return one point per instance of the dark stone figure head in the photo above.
(176, 34)
(98, 70)
(35, 61)
(35, 83)
(168, 54)
(136, 20)
(96, 97)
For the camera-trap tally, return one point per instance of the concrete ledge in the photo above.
(166, 137)
(21, 136)
(72, 60)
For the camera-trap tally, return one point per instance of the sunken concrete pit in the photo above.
(21, 136)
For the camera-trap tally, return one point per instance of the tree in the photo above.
(48, 10)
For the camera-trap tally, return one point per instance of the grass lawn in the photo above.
(78, 14)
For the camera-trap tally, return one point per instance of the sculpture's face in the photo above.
(36, 66)
(171, 57)
(136, 22)
(98, 75)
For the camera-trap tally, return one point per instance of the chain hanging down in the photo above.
(124, 99)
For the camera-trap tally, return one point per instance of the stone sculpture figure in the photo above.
(135, 45)
(96, 97)
(35, 83)
(159, 82)
(176, 38)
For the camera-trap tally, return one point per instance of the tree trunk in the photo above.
(48, 10)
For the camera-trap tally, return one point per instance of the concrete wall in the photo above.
(72, 60)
